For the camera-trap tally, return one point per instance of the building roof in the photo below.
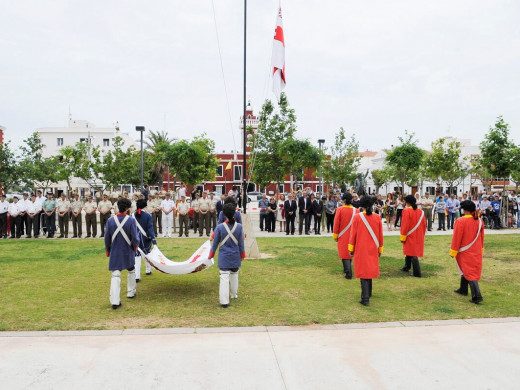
(367, 153)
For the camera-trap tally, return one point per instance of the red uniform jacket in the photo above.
(413, 244)
(341, 220)
(364, 246)
(470, 260)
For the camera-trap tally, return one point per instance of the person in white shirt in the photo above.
(33, 216)
(181, 191)
(4, 208)
(40, 199)
(168, 210)
(15, 210)
(23, 203)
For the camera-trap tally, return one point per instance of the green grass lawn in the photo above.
(58, 284)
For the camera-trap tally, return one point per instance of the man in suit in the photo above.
(317, 211)
(305, 210)
(220, 204)
(290, 207)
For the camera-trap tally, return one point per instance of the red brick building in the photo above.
(229, 171)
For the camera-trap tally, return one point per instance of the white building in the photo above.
(376, 160)
(56, 138)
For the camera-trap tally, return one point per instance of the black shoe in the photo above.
(225, 306)
(476, 296)
(74, 236)
(439, 229)
(365, 292)
(187, 235)
(286, 234)
(292, 234)
(133, 296)
(347, 268)
(27, 236)
(88, 236)
(137, 280)
(149, 273)
(443, 230)
(407, 264)
(180, 235)
(463, 289)
(416, 267)
(307, 234)
(116, 306)
(60, 236)
(36, 236)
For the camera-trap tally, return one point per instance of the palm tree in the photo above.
(156, 142)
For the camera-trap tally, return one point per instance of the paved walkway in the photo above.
(453, 354)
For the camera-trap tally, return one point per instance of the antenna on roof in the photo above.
(70, 114)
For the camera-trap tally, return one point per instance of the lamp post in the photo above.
(320, 143)
(141, 130)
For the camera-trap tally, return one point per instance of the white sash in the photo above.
(120, 229)
(230, 234)
(349, 224)
(369, 228)
(418, 224)
(140, 227)
(465, 248)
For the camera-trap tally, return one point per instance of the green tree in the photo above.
(497, 150)
(515, 167)
(120, 165)
(9, 168)
(274, 128)
(445, 163)
(381, 177)
(341, 168)
(75, 163)
(405, 159)
(155, 161)
(297, 155)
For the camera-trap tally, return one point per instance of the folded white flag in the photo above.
(197, 262)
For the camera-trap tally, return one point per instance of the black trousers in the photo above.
(330, 221)
(262, 220)
(271, 222)
(442, 220)
(34, 225)
(3, 225)
(51, 224)
(16, 225)
(103, 218)
(304, 219)
(289, 223)
(398, 217)
(317, 224)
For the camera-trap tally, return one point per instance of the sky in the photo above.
(436, 68)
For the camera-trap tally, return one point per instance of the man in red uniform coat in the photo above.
(413, 230)
(467, 246)
(366, 241)
(341, 233)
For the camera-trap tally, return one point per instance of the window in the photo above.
(237, 172)
(430, 190)
(82, 140)
(220, 171)
(319, 189)
(219, 190)
(60, 141)
(281, 188)
(106, 141)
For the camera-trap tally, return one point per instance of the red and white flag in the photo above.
(278, 58)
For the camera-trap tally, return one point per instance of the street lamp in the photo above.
(321, 142)
(141, 130)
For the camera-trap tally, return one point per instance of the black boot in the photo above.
(365, 294)
(416, 267)
(370, 288)
(463, 289)
(348, 269)
(407, 264)
(476, 297)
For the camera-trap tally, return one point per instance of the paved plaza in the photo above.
(452, 354)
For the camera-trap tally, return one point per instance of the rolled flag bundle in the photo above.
(197, 262)
(278, 58)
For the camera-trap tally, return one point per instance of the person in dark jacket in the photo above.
(271, 215)
(317, 212)
(121, 243)
(290, 206)
(304, 211)
(146, 237)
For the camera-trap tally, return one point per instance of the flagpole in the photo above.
(244, 176)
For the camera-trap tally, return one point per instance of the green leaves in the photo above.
(497, 151)
(344, 160)
(445, 164)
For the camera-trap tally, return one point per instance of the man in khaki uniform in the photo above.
(63, 216)
(105, 212)
(213, 211)
(157, 214)
(204, 217)
(196, 214)
(91, 217)
(77, 223)
(183, 209)
(427, 206)
(150, 208)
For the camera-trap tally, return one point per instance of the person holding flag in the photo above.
(413, 231)
(366, 242)
(341, 232)
(467, 246)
